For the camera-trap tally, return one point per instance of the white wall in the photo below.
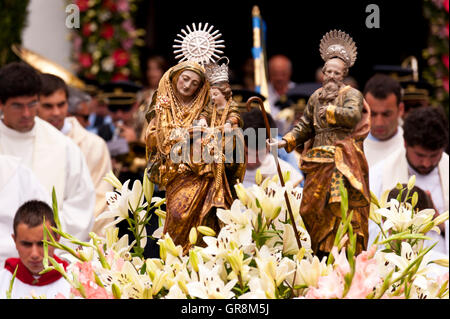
(46, 32)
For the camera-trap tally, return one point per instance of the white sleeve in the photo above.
(77, 216)
(376, 179)
(31, 187)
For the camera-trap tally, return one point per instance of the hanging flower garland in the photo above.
(436, 55)
(105, 47)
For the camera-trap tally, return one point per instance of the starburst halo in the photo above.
(199, 44)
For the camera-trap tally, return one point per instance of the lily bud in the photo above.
(301, 253)
(414, 199)
(170, 246)
(411, 182)
(193, 259)
(441, 218)
(116, 291)
(162, 250)
(158, 283)
(441, 262)
(193, 236)
(258, 177)
(183, 287)
(205, 230)
(113, 180)
(241, 193)
(235, 258)
(160, 213)
(149, 187)
(373, 215)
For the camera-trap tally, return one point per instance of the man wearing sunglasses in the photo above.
(66, 109)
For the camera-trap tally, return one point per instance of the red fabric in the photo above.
(24, 275)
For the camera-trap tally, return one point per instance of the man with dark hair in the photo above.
(257, 155)
(425, 139)
(56, 107)
(28, 235)
(55, 160)
(383, 94)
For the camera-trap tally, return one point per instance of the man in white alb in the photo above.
(59, 105)
(383, 94)
(425, 139)
(54, 159)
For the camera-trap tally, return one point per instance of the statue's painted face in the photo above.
(334, 69)
(217, 96)
(188, 83)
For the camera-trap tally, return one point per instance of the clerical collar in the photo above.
(16, 134)
(373, 138)
(67, 127)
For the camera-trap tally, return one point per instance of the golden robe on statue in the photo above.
(333, 153)
(194, 189)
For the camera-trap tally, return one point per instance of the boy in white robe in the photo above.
(28, 235)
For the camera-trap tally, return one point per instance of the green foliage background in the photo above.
(13, 17)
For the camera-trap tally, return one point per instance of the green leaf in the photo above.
(11, 284)
(55, 209)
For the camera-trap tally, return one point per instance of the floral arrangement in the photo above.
(105, 45)
(255, 254)
(436, 54)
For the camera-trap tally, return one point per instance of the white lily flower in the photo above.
(406, 258)
(175, 292)
(269, 200)
(308, 272)
(272, 265)
(210, 286)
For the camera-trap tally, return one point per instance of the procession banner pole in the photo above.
(280, 174)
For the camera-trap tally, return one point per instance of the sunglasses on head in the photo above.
(123, 108)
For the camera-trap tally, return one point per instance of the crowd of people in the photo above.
(55, 138)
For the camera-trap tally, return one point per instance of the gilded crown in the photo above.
(216, 73)
(338, 44)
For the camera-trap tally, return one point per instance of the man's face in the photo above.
(53, 108)
(19, 112)
(384, 115)
(30, 247)
(82, 114)
(188, 83)
(422, 159)
(280, 73)
(124, 114)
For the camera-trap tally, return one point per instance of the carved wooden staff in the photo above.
(280, 174)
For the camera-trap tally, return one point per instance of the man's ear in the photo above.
(401, 109)
(13, 237)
